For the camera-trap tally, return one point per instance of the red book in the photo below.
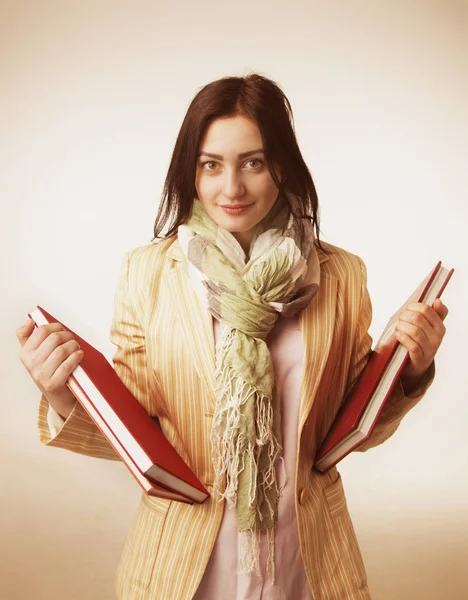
(360, 410)
(133, 434)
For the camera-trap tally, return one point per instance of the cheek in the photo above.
(206, 186)
(268, 192)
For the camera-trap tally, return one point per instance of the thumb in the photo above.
(440, 308)
(23, 332)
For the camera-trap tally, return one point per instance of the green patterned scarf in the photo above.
(246, 294)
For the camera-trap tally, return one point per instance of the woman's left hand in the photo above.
(420, 330)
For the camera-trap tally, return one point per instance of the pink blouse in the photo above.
(220, 579)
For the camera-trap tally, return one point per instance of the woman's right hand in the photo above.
(49, 354)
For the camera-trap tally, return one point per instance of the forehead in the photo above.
(231, 134)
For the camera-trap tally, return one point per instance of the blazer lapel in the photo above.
(317, 326)
(316, 323)
(196, 324)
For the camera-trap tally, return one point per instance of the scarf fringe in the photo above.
(249, 553)
(230, 445)
(230, 449)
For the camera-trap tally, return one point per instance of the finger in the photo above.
(23, 332)
(42, 333)
(416, 326)
(63, 371)
(415, 350)
(429, 313)
(41, 344)
(410, 320)
(46, 370)
(52, 343)
(423, 337)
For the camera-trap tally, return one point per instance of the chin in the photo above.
(238, 227)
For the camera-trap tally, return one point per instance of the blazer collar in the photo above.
(175, 252)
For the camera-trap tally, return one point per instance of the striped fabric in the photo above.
(166, 358)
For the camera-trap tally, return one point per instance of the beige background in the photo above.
(92, 96)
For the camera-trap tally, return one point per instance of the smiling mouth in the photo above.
(235, 210)
(236, 205)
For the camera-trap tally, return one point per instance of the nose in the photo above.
(233, 186)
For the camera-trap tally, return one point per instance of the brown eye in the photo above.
(208, 162)
(255, 160)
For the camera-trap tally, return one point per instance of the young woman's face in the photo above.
(231, 171)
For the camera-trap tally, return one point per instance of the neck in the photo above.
(245, 239)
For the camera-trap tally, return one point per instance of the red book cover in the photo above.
(150, 487)
(156, 448)
(353, 407)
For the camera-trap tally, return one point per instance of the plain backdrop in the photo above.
(93, 94)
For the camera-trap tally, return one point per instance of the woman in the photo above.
(242, 333)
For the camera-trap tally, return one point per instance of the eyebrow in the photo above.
(241, 155)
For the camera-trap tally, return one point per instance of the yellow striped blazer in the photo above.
(166, 358)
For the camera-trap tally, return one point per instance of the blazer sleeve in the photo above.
(399, 403)
(78, 432)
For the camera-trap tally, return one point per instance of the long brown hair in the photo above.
(259, 99)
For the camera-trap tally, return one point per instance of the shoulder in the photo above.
(150, 255)
(340, 263)
(142, 266)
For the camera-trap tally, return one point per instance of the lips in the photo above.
(235, 205)
(236, 209)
